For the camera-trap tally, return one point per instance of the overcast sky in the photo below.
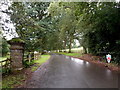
(12, 33)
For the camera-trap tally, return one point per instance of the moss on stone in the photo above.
(16, 40)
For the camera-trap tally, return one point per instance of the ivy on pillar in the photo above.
(16, 53)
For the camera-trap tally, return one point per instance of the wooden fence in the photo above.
(29, 58)
(5, 65)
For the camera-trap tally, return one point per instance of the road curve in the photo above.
(67, 72)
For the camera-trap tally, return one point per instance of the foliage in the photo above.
(16, 40)
(66, 20)
(102, 30)
(27, 18)
(27, 64)
(56, 25)
(5, 47)
(12, 80)
(5, 71)
(94, 24)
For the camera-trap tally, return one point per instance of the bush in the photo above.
(5, 70)
(27, 63)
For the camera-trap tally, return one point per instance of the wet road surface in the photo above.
(67, 72)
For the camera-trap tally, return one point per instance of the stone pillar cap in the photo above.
(16, 40)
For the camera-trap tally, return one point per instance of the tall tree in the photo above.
(27, 18)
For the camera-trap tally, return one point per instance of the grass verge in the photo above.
(71, 54)
(40, 61)
(17, 79)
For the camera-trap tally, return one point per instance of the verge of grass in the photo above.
(71, 54)
(40, 61)
(80, 49)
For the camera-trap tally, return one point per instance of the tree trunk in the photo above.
(56, 50)
(70, 45)
(65, 46)
(85, 50)
(29, 58)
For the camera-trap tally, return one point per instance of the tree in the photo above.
(55, 25)
(66, 21)
(99, 24)
(27, 18)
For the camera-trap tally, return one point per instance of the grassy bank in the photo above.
(14, 80)
(70, 54)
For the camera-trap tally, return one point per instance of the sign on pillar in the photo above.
(108, 57)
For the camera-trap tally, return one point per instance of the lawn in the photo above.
(80, 50)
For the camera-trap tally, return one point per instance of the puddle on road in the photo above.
(78, 61)
(87, 64)
(107, 72)
(67, 57)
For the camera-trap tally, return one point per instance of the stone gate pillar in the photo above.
(16, 53)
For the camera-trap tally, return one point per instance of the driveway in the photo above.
(66, 72)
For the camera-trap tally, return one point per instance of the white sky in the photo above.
(10, 25)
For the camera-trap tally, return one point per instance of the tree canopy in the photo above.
(56, 25)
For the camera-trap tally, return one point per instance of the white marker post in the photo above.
(108, 57)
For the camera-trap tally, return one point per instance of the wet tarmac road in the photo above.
(66, 72)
